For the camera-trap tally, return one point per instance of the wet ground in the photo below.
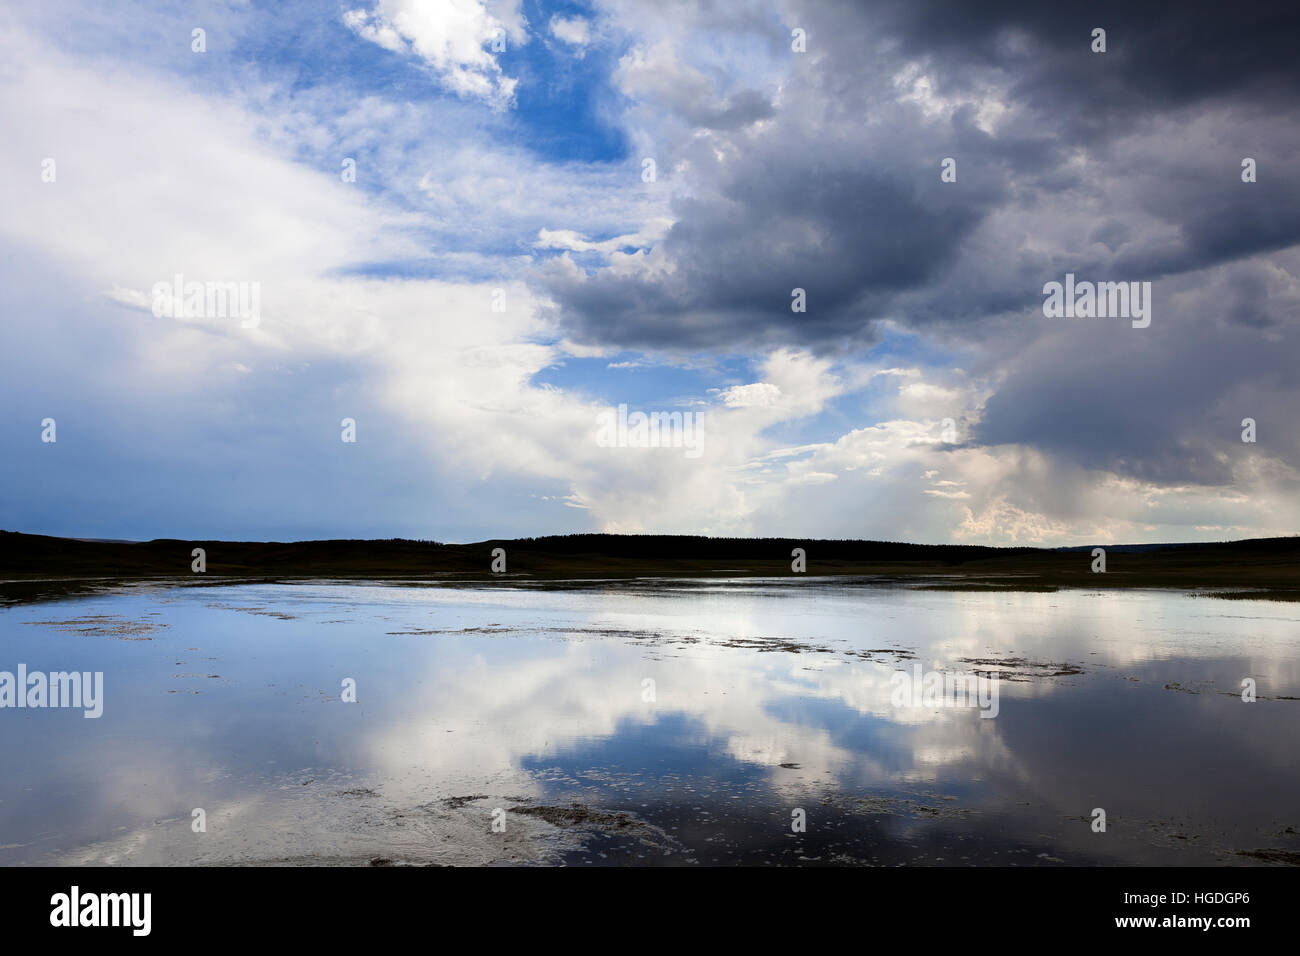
(665, 723)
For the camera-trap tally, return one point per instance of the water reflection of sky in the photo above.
(227, 698)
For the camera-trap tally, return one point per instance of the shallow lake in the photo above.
(668, 722)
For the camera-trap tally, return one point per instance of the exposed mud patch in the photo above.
(259, 611)
(770, 644)
(1288, 857)
(1195, 687)
(988, 588)
(338, 823)
(1020, 669)
(608, 828)
(455, 803)
(105, 625)
(1250, 595)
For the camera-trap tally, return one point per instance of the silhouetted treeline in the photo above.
(614, 555)
(693, 547)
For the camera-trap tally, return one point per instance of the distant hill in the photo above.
(1272, 563)
(29, 554)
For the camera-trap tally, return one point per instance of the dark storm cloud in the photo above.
(1159, 56)
(848, 237)
(853, 210)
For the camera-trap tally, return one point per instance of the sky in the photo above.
(468, 232)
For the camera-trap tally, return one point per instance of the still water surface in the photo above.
(652, 723)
